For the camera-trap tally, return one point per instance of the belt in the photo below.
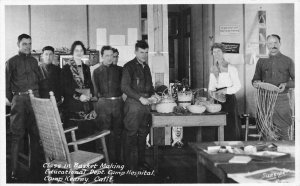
(184, 101)
(112, 98)
(22, 93)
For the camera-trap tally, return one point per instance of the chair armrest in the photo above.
(90, 138)
(70, 129)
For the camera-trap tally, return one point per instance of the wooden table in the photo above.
(187, 120)
(218, 163)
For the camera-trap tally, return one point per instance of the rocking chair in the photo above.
(55, 146)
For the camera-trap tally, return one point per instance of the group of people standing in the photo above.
(77, 90)
(106, 85)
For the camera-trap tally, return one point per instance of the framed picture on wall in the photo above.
(93, 57)
(37, 56)
(262, 18)
(64, 59)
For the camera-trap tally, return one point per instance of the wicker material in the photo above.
(81, 157)
(50, 127)
(196, 109)
(213, 108)
(54, 140)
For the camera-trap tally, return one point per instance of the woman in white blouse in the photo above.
(224, 79)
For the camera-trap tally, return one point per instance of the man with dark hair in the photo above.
(23, 36)
(274, 35)
(109, 57)
(51, 74)
(107, 79)
(137, 85)
(278, 70)
(22, 74)
(115, 56)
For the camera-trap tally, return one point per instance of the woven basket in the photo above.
(185, 98)
(198, 109)
(166, 105)
(213, 108)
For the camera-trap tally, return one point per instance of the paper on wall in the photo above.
(117, 40)
(99, 47)
(126, 53)
(234, 59)
(253, 59)
(101, 36)
(158, 64)
(132, 35)
(226, 30)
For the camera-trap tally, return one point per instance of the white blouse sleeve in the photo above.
(234, 76)
(212, 85)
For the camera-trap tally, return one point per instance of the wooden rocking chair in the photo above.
(55, 145)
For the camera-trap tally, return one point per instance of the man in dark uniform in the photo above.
(107, 78)
(115, 57)
(137, 85)
(278, 70)
(22, 74)
(51, 74)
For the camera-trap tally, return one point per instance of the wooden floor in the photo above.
(176, 165)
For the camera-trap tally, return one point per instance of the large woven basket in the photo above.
(166, 105)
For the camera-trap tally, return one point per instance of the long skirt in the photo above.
(232, 130)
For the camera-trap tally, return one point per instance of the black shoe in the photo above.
(13, 178)
(144, 166)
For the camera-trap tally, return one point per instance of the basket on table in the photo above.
(197, 109)
(212, 108)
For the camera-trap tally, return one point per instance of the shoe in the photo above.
(13, 178)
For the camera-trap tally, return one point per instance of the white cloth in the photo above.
(228, 79)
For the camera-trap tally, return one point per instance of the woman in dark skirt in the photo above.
(224, 81)
(77, 90)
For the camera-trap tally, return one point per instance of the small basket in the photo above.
(197, 109)
(212, 108)
(166, 107)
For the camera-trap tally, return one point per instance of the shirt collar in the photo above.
(138, 63)
(276, 55)
(23, 54)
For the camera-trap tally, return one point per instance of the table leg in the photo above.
(221, 133)
(199, 134)
(155, 158)
(151, 136)
(155, 151)
(201, 170)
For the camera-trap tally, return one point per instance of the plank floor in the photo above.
(176, 165)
